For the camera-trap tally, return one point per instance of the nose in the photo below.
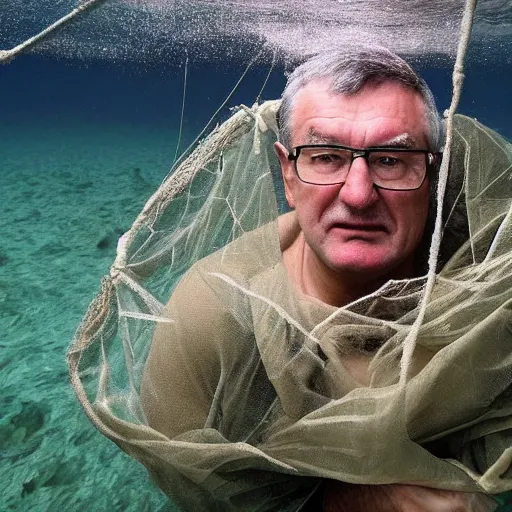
(358, 191)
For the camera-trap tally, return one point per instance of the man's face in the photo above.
(356, 228)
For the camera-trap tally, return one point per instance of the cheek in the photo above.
(312, 201)
(421, 206)
(413, 216)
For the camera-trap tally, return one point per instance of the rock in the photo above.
(110, 239)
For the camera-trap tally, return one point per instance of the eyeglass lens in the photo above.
(389, 169)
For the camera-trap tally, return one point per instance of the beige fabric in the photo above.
(242, 393)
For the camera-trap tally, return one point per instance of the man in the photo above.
(359, 214)
(305, 352)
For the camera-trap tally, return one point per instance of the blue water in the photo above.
(82, 146)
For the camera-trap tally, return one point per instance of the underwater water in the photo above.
(83, 144)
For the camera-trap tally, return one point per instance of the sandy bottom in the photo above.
(66, 195)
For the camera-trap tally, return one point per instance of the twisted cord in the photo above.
(7, 55)
(457, 80)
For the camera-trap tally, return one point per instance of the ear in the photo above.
(287, 171)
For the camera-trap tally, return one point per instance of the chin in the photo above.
(365, 263)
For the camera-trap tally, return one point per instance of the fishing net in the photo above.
(240, 392)
(201, 359)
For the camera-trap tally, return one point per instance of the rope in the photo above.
(182, 111)
(457, 79)
(7, 55)
(258, 98)
(214, 116)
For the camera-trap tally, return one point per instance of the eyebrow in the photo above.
(400, 141)
(313, 137)
(403, 140)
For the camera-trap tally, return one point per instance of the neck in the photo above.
(337, 288)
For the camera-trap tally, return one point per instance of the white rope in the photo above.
(8, 55)
(185, 76)
(458, 79)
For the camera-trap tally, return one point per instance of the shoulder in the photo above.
(215, 278)
(214, 295)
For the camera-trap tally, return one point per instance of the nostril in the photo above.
(358, 191)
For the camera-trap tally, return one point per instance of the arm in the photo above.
(183, 367)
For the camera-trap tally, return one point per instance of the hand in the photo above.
(342, 497)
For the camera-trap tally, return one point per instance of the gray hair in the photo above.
(348, 71)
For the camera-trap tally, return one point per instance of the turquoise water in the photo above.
(68, 191)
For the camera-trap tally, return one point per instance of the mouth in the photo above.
(360, 227)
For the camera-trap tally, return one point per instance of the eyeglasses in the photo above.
(390, 168)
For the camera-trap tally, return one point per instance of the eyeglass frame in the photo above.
(430, 167)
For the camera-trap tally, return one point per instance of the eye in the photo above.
(387, 161)
(331, 157)
(326, 157)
